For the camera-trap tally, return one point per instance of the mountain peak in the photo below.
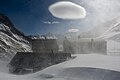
(4, 19)
(11, 39)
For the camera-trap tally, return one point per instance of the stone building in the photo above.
(28, 62)
(85, 46)
(45, 53)
(45, 45)
(113, 47)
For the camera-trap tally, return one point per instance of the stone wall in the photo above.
(27, 62)
(85, 46)
(45, 45)
(113, 48)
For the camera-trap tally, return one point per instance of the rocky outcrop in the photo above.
(11, 39)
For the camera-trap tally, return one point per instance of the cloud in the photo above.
(55, 22)
(51, 22)
(100, 11)
(67, 10)
(73, 30)
(47, 22)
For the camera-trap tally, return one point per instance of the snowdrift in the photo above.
(83, 67)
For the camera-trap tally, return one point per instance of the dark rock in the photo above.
(28, 62)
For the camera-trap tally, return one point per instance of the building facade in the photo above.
(85, 46)
(44, 45)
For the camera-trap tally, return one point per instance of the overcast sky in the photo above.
(34, 17)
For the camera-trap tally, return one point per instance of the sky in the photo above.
(33, 17)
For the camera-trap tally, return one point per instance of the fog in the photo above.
(98, 12)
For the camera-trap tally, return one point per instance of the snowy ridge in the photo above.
(108, 31)
(112, 32)
(11, 41)
(103, 29)
(115, 27)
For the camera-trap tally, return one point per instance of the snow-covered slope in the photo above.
(83, 67)
(11, 39)
(113, 33)
(107, 29)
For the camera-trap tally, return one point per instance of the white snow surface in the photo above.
(53, 72)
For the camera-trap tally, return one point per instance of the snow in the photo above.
(60, 71)
(112, 28)
(9, 43)
(110, 32)
(12, 43)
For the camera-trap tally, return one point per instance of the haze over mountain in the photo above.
(107, 30)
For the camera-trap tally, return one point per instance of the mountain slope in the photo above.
(11, 39)
(113, 33)
(101, 30)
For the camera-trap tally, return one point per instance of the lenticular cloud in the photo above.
(67, 10)
(73, 30)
